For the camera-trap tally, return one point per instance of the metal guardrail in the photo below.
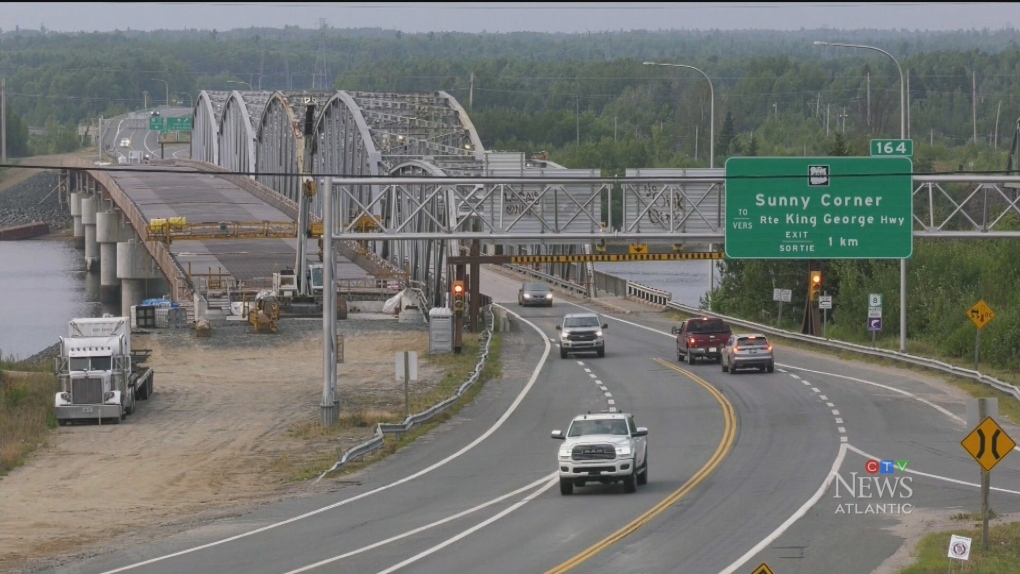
(663, 299)
(565, 285)
(415, 420)
(860, 349)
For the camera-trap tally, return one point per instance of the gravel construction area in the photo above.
(233, 423)
(33, 199)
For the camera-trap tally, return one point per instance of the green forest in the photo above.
(589, 101)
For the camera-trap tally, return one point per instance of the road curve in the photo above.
(493, 506)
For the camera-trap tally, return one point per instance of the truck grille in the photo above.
(87, 391)
(593, 452)
(581, 336)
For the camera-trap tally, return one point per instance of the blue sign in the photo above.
(875, 324)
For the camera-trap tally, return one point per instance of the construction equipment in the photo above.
(263, 312)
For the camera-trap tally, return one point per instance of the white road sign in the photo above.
(825, 302)
(787, 296)
(875, 300)
(777, 294)
(874, 312)
(959, 547)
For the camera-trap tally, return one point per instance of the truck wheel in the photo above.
(733, 370)
(679, 355)
(566, 487)
(563, 353)
(642, 477)
(602, 352)
(725, 369)
(771, 368)
(630, 484)
(690, 357)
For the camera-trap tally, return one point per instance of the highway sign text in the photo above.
(819, 208)
(892, 147)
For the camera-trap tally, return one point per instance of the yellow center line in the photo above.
(725, 445)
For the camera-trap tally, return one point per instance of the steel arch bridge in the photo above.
(263, 134)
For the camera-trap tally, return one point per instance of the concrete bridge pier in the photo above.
(134, 268)
(89, 205)
(74, 204)
(108, 234)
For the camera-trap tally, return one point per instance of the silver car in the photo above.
(747, 352)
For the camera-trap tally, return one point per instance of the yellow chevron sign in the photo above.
(605, 258)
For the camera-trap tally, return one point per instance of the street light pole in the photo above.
(711, 155)
(167, 91)
(240, 82)
(191, 100)
(903, 135)
(711, 114)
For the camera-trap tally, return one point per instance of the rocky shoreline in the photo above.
(34, 200)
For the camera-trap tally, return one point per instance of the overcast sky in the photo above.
(507, 17)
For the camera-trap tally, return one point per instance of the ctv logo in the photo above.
(886, 466)
(881, 489)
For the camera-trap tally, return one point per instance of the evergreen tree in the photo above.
(726, 136)
(839, 146)
(752, 146)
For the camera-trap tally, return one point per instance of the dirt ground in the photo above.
(226, 430)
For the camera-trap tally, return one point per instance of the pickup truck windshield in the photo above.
(581, 322)
(707, 327)
(582, 428)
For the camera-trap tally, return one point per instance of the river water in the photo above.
(43, 285)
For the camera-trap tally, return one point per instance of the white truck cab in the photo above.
(605, 448)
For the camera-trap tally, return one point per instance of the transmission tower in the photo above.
(320, 77)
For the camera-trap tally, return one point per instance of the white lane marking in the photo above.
(469, 531)
(815, 389)
(611, 402)
(579, 362)
(593, 375)
(425, 527)
(842, 439)
(806, 383)
(830, 404)
(835, 412)
(612, 409)
(823, 397)
(466, 448)
(839, 421)
(841, 430)
(587, 370)
(781, 370)
(888, 388)
(598, 382)
(794, 376)
(793, 518)
(935, 476)
(609, 394)
(603, 388)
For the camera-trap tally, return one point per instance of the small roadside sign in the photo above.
(638, 248)
(988, 444)
(959, 547)
(875, 325)
(875, 300)
(786, 296)
(981, 314)
(825, 302)
(874, 312)
(763, 569)
(777, 294)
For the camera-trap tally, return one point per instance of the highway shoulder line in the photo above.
(935, 476)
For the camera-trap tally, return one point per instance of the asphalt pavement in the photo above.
(740, 471)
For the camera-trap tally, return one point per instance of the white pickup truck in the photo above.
(605, 448)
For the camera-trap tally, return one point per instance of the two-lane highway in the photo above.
(740, 470)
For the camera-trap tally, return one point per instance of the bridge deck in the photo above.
(204, 197)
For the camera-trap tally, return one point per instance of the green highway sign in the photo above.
(156, 123)
(178, 124)
(819, 208)
(892, 147)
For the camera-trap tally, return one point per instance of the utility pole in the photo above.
(577, 117)
(827, 120)
(908, 104)
(145, 99)
(843, 129)
(973, 106)
(818, 103)
(997, 111)
(471, 93)
(3, 120)
(869, 99)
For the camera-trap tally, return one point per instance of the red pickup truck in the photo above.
(701, 338)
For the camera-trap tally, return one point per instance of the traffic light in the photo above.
(815, 288)
(458, 297)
